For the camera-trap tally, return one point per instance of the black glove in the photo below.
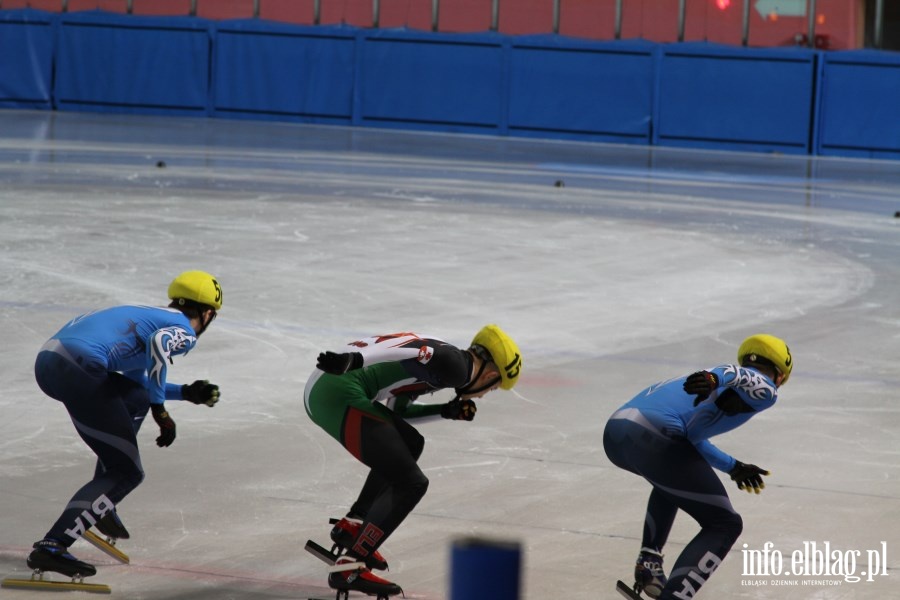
(701, 383)
(166, 425)
(459, 410)
(338, 364)
(748, 477)
(201, 392)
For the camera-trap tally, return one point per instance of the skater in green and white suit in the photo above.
(363, 398)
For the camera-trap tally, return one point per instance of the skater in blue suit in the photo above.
(108, 368)
(662, 434)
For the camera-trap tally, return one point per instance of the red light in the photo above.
(723, 4)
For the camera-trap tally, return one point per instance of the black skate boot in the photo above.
(359, 578)
(344, 534)
(649, 575)
(111, 526)
(50, 555)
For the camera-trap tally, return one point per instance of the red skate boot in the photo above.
(350, 574)
(344, 534)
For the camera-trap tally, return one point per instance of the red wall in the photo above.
(721, 21)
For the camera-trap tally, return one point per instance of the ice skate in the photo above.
(349, 574)
(111, 526)
(344, 534)
(50, 555)
(108, 546)
(649, 575)
(38, 583)
(626, 591)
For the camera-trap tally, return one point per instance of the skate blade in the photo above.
(626, 591)
(321, 553)
(350, 566)
(59, 586)
(106, 547)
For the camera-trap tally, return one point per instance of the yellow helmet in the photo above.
(772, 349)
(503, 351)
(197, 286)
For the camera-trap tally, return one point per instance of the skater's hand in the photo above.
(166, 425)
(201, 392)
(338, 364)
(748, 477)
(701, 383)
(459, 410)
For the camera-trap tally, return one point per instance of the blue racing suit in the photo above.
(662, 434)
(107, 367)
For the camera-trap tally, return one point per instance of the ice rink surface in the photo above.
(612, 266)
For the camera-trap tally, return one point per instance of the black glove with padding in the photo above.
(459, 410)
(339, 363)
(201, 392)
(748, 477)
(166, 425)
(701, 383)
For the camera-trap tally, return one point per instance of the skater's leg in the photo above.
(631, 447)
(390, 448)
(681, 478)
(375, 484)
(94, 401)
(658, 521)
(687, 481)
(373, 487)
(137, 402)
(720, 528)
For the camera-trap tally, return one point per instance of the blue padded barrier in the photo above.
(563, 87)
(269, 70)
(26, 59)
(122, 63)
(454, 82)
(860, 104)
(695, 94)
(727, 98)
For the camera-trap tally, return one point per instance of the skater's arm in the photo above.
(370, 351)
(163, 345)
(715, 457)
(757, 391)
(173, 391)
(416, 410)
(440, 364)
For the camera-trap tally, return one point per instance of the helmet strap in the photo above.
(205, 323)
(194, 310)
(468, 388)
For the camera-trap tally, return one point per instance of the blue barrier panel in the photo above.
(26, 59)
(736, 98)
(860, 104)
(569, 88)
(269, 70)
(433, 81)
(696, 94)
(122, 63)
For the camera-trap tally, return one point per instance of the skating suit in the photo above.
(665, 409)
(397, 369)
(662, 434)
(107, 367)
(366, 410)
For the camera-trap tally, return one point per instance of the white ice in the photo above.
(612, 266)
